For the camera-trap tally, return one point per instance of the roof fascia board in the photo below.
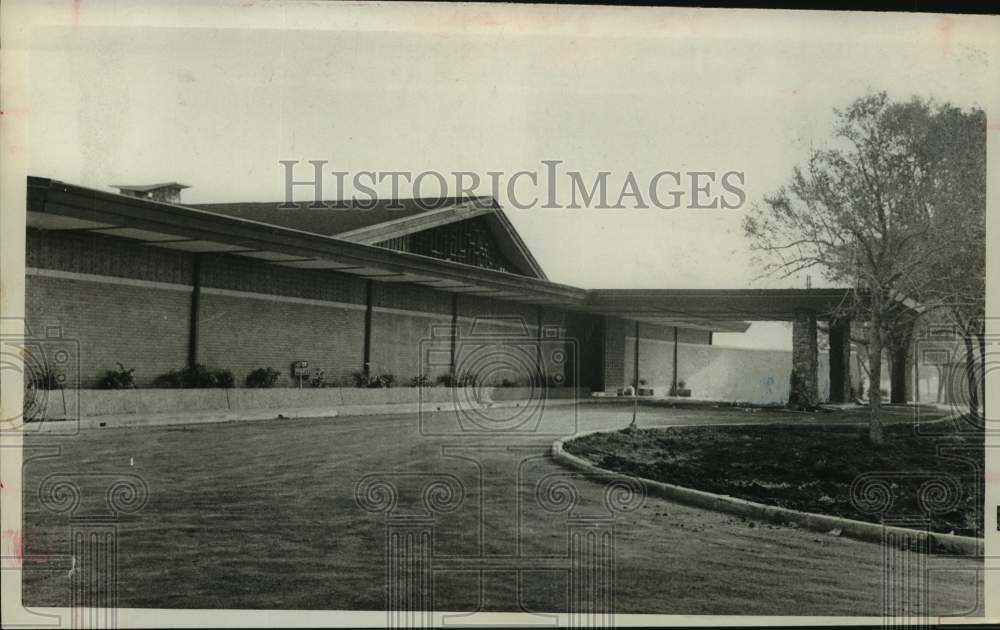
(371, 234)
(519, 251)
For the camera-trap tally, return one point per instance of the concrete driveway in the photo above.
(267, 515)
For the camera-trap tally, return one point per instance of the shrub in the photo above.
(195, 376)
(263, 377)
(373, 381)
(224, 378)
(170, 380)
(465, 379)
(420, 381)
(121, 378)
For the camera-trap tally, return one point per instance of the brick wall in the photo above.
(141, 320)
(254, 315)
(131, 302)
(242, 334)
(143, 328)
(400, 342)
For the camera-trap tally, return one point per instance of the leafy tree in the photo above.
(956, 146)
(867, 212)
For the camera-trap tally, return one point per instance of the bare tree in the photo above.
(865, 212)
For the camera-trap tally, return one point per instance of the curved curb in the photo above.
(860, 530)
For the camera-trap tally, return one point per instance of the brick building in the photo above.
(139, 279)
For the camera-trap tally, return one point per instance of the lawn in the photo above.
(806, 467)
(263, 515)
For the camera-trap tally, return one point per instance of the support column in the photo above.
(900, 373)
(367, 348)
(195, 311)
(840, 360)
(673, 384)
(635, 369)
(453, 346)
(804, 391)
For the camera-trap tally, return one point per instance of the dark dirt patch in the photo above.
(802, 467)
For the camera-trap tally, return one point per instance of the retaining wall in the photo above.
(97, 403)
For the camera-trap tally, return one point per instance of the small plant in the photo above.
(122, 378)
(680, 389)
(420, 381)
(317, 378)
(263, 378)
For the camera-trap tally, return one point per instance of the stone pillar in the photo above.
(804, 391)
(901, 374)
(840, 360)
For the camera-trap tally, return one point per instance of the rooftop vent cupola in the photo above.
(169, 192)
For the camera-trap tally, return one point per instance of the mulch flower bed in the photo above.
(804, 467)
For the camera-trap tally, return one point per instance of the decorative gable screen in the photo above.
(470, 242)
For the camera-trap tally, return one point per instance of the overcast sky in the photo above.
(486, 89)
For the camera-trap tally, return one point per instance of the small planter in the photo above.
(645, 391)
(683, 393)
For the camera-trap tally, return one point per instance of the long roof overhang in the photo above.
(60, 206)
(714, 304)
(55, 205)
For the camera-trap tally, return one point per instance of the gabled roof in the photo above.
(373, 222)
(334, 217)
